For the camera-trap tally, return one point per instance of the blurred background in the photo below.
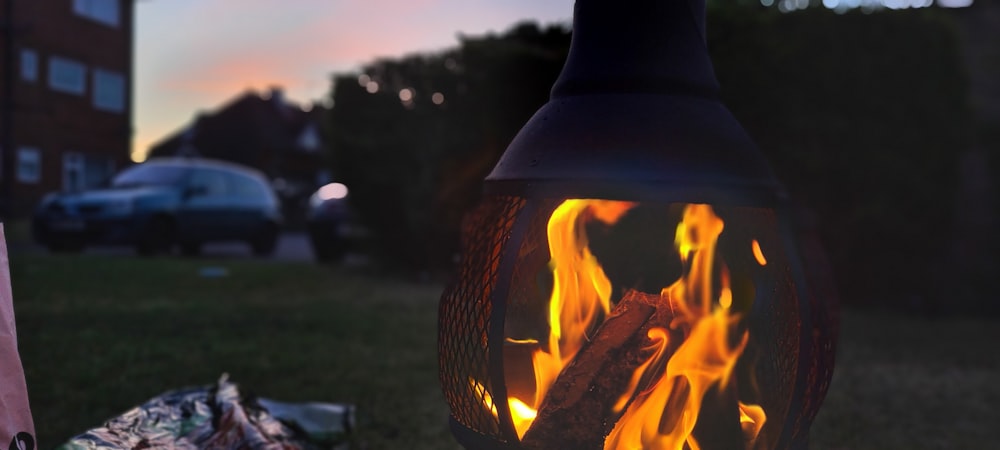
(374, 124)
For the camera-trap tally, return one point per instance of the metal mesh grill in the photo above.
(771, 358)
(465, 309)
(780, 366)
(822, 297)
(772, 361)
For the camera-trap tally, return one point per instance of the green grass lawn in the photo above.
(99, 335)
(913, 383)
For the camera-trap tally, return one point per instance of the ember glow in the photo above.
(758, 254)
(690, 356)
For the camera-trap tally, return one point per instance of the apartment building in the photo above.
(65, 96)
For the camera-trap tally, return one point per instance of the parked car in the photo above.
(161, 203)
(332, 226)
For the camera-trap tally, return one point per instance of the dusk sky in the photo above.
(194, 55)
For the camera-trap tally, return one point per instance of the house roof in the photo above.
(243, 130)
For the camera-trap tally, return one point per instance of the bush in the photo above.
(861, 115)
(414, 167)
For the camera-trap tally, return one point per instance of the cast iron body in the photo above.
(636, 113)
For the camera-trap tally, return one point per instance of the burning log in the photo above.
(578, 411)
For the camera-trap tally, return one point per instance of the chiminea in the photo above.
(630, 279)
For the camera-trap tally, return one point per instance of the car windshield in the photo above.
(149, 175)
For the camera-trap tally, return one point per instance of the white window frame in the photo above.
(106, 12)
(72, 162)
(108, 88)
(67, 75)
(30, 156)
(29, 64)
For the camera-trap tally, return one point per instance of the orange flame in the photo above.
(758, 254)
(581, 296)
(479, 390)
(752, 419)
(664, 417)
(664, 414)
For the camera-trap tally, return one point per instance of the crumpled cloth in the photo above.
(213, 417)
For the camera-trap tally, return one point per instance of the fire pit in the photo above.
(630, 279)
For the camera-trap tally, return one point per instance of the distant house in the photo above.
(263, 131)
(65, 96)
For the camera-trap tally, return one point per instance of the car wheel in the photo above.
(157, 237)
(190, 248)
(265, 243)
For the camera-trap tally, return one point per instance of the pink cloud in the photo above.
(195, 54)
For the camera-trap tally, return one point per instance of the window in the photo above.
(82, 171)
(245, 187)
(97, 171)
(29, 165)
(103, 11)
(208, 183)
(67, 75)
(109, 90)
(29, 64)
(150, 175)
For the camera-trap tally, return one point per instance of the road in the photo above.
(293, 246)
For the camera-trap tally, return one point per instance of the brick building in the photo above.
(65, 96)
